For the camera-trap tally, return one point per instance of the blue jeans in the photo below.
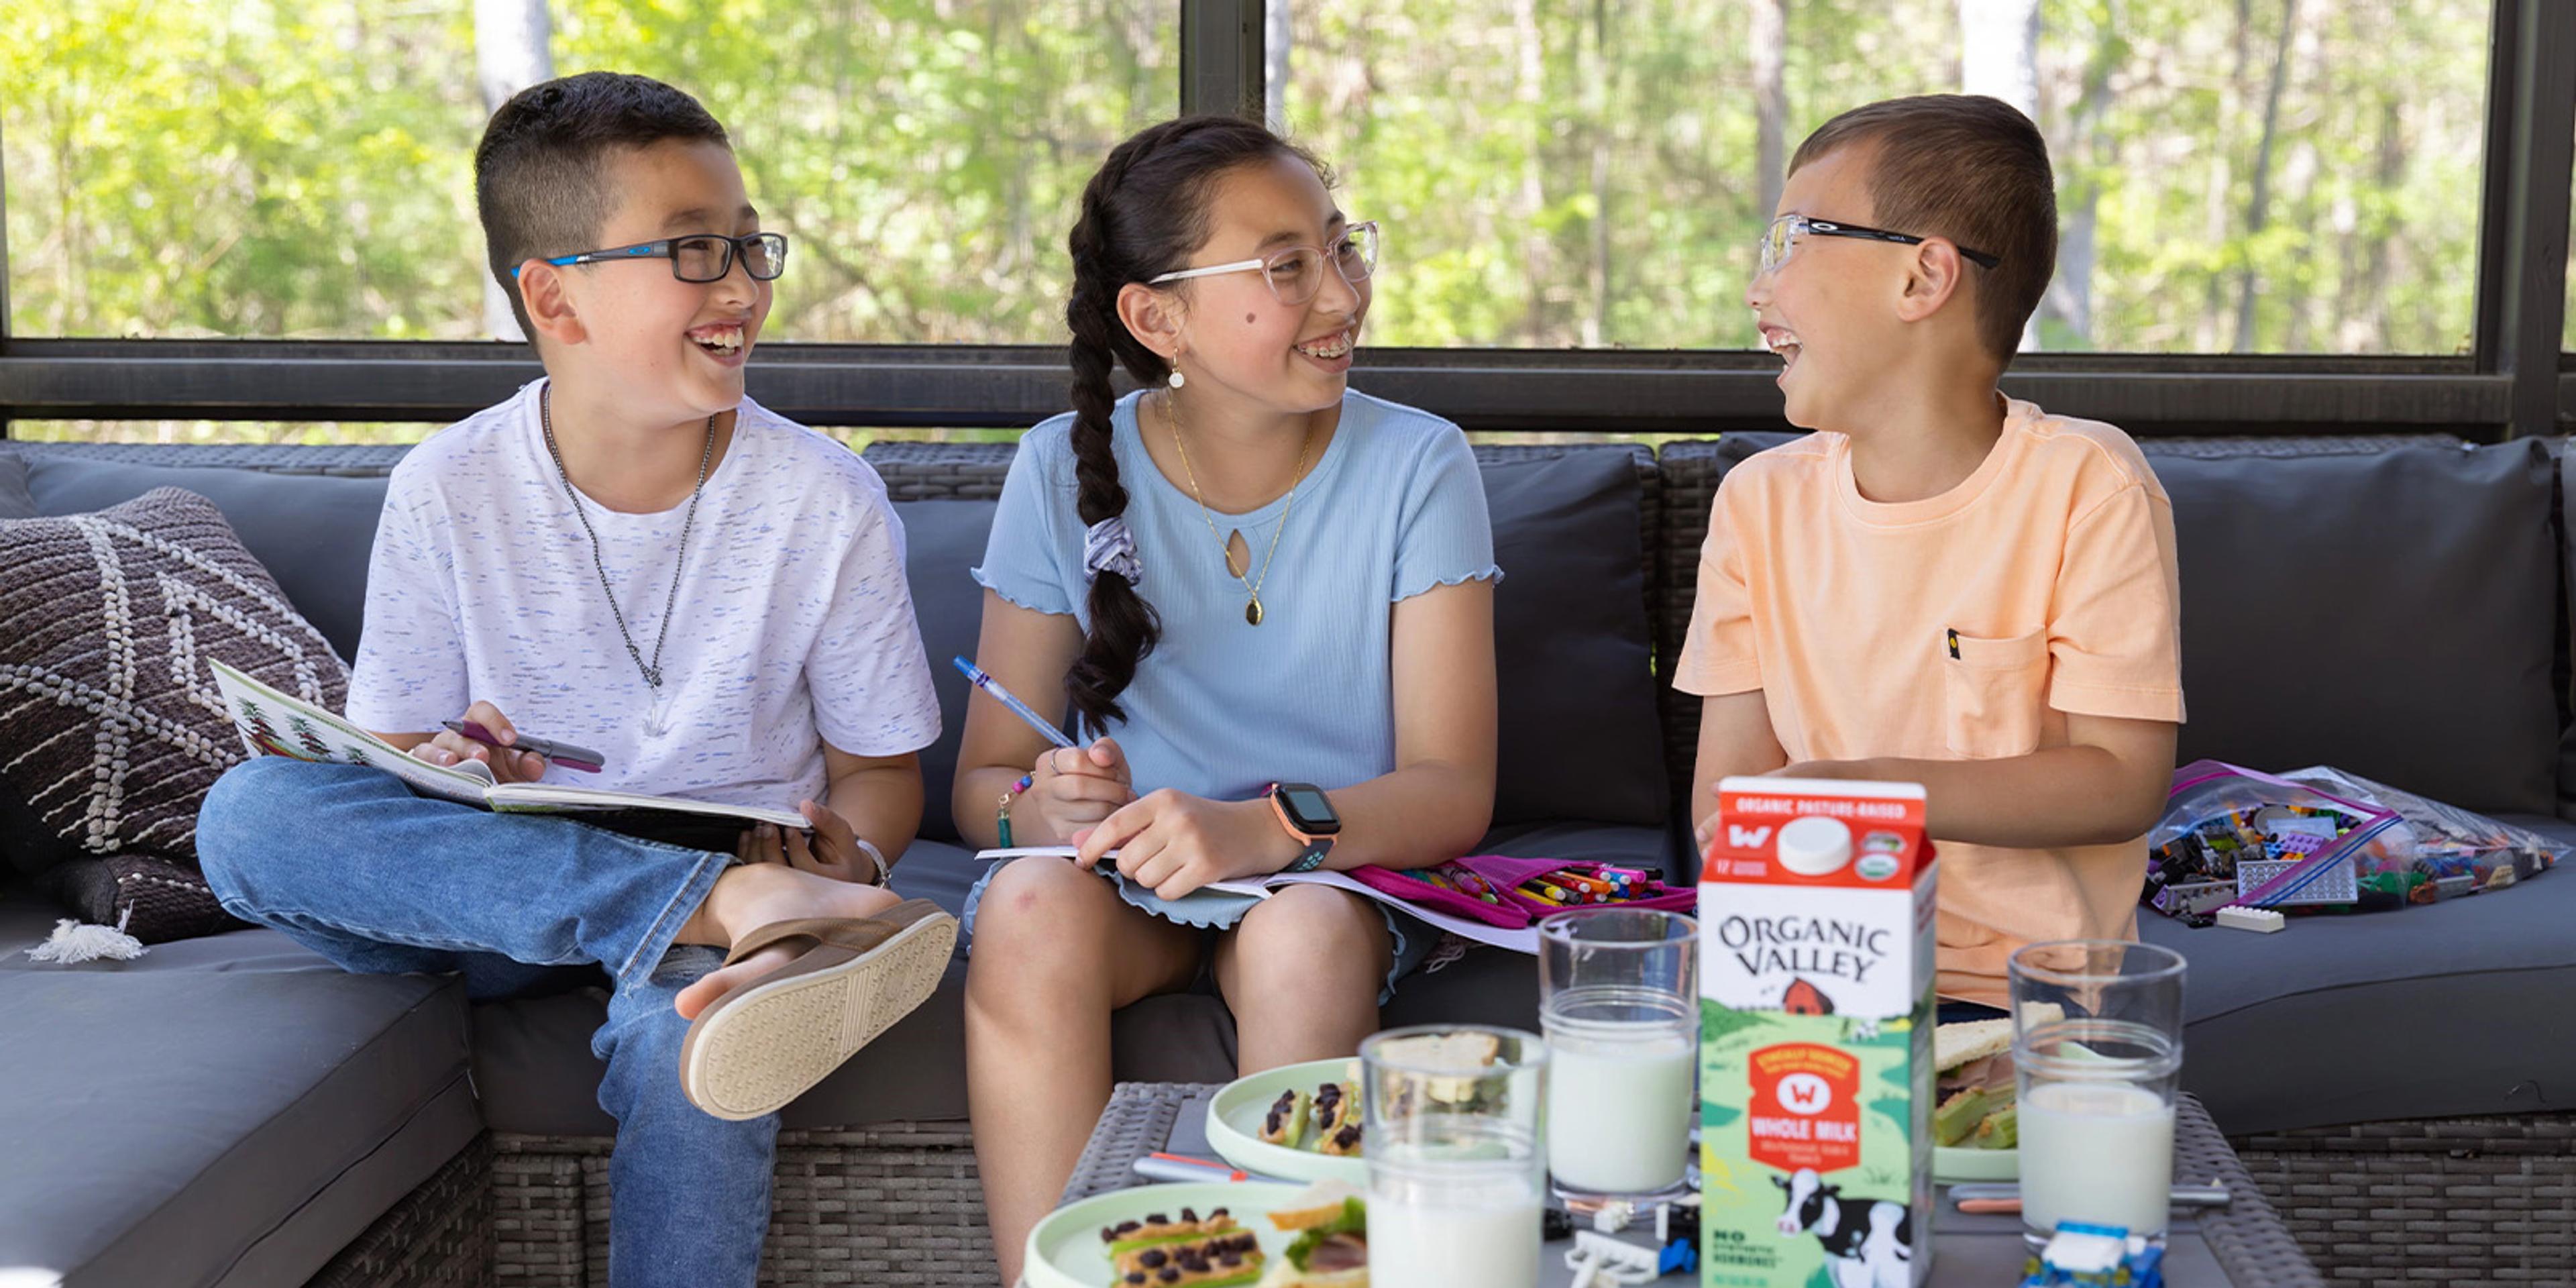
(349, 863)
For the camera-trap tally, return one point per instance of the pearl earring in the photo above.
(1177, 379)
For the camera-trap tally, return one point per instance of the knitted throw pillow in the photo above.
(111, 728)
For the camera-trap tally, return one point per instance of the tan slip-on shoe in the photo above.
(765, 1041)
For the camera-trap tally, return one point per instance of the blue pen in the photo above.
(975, 674)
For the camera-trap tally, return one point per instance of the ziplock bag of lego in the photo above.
(2450, 851)
(2232, 835)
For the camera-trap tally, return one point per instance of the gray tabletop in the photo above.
(2243, 1245)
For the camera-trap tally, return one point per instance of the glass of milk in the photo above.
(1619, 1000)
(2097, 1054)
(1456, 1152)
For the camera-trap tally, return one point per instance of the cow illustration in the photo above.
(1869, 1243)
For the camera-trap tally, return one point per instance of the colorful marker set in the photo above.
(1568, 888)
(1460, 880)
(1563, 888)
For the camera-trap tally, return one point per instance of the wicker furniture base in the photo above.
(895, 1204)
(2443, 1200)
(439, 1236)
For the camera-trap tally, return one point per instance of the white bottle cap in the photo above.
(1815, 846)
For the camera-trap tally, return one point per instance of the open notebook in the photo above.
(272, 723)
(1523, 940)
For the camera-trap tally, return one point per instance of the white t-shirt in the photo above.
(793, 625)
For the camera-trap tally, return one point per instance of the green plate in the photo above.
(1065, 1250)
(1234, 1126)
(1951, 1165)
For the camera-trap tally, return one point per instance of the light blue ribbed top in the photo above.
(1223, 708)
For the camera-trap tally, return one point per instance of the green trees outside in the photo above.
(2235, 175)
(267, 168)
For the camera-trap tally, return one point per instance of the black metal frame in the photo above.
(1221, 44)
(2522, 239)
(2512, 384)
(4, 291)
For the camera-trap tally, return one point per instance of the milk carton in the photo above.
(1816, 1015)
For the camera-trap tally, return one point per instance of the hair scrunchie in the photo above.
(1107, 546)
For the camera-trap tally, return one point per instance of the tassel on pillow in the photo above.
(73, 943)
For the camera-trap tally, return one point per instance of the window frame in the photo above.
(2514, 382)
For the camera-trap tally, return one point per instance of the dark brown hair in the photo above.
(1969, 168)
(540, 173)
(1142, 215)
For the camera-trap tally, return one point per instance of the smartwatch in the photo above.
(1308, 816)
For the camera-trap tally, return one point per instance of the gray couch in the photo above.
(232, 1110)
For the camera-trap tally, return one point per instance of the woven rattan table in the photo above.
(2243, 1245)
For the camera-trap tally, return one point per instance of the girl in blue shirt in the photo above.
(1244, 575)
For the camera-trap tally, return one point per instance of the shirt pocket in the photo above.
(1992, 693)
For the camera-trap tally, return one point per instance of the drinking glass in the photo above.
(1456, 1155)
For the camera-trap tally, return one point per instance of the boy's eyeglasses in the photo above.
(699, 257)
(1297, 273)
(1782, 237)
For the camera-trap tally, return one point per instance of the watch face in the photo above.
(1309, 810)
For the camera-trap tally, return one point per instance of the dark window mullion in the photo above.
(1221, 57)
(2522, 237)
(4, 282)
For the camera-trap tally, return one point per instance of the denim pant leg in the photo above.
(348, 861)
(688, 1191)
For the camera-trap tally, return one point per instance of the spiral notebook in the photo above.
(1510, 923)
(274, 723)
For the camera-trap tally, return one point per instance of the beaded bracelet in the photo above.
(1002, 816)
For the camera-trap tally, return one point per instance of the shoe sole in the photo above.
(768, 1042)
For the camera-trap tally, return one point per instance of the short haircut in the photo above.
(540, 174)
(1969, 168)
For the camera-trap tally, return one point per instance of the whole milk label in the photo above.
(1816, 902)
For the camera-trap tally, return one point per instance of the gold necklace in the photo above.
(1252, 589)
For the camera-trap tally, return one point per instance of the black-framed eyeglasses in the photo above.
(699, 257)
(1297, 273)
(1782, 236)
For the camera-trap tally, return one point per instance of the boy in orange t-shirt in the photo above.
(1942, 585)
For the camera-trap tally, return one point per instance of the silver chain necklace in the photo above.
(652, 670)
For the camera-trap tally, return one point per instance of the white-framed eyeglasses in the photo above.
(1782, 236)
(1297, 273)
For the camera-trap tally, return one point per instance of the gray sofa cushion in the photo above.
(2392, 613)
(942, 539)
(1579, 738)
(2567, 642)
(15, 501)
(313, 532)
(533, 1065)
(2421, 1013)
(230, 1110)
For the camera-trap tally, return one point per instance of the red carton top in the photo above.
(1816, 832)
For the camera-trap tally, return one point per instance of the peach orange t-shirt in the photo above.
(1965, 626)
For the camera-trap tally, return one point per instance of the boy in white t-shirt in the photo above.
(630, 556)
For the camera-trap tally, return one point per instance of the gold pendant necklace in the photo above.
(1252, 612)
